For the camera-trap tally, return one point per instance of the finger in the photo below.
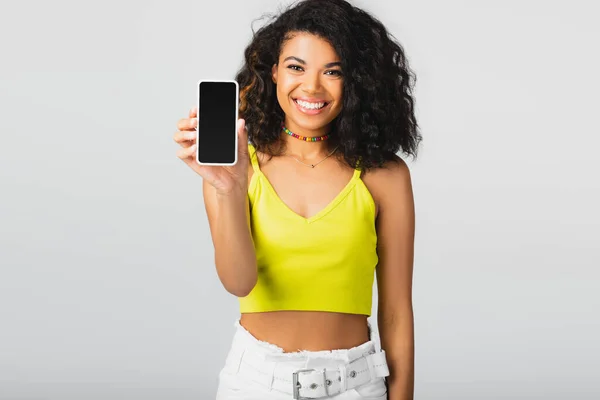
(194, 112)
(187, 124)
(186, 152)
(182, 124)
(184, 137)
(241, 128)
(242, 136)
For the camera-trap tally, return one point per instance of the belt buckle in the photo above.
(296, 388)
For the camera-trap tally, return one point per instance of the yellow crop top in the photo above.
(322, 263)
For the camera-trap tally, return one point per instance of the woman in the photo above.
(317, 205)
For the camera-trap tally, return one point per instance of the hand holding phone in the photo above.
(223, 178)
(217, 116)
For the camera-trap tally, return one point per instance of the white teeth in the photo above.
(310, 106)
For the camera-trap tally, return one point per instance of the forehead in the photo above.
(309, 47)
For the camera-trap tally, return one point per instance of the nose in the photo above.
(311, 83)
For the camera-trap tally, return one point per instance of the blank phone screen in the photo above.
(217, 105)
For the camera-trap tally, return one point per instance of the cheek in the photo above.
(282, 97)
(338, 94)
(341, 89)
(339, 103)
(280, 89)
(336, 90)
(284, 87)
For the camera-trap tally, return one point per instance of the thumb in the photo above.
(242, 136)
(241, 131)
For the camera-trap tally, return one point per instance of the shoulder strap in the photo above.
(358, 169)
(253, 157)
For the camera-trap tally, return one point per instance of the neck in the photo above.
(305, 149)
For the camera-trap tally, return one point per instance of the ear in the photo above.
(274, 73)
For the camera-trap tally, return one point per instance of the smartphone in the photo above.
(217, 122)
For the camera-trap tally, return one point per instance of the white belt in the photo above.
(312, 383)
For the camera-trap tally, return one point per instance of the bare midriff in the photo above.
(307, 330)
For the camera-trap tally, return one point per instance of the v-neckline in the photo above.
(330, 206)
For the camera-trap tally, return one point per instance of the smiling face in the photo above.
(309, 84)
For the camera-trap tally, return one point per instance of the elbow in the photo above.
(238, 277)
(241, 289)
(239, 283)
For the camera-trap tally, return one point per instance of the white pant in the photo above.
(257, 370)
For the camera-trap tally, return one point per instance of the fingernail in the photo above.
(190, 135)
(193, 122)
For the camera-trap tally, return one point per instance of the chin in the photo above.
(311, 124)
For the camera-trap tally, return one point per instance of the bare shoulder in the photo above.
(259, 157)
(388, 183)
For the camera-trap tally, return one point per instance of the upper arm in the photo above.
(395, 239)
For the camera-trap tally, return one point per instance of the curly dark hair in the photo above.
(377, 117)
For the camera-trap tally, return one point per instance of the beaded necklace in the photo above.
(305, 138)
(309, 139)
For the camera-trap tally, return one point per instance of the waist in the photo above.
(308, 330)
(263, 370)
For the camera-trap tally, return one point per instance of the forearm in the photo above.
(235, 257)
(397, 339)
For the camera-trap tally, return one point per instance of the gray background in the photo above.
(107, 284)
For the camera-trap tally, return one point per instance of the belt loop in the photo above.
(343, 383)
(371, 368)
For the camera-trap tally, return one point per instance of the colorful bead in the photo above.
(305, 138)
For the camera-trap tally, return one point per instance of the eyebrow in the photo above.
(301, 61)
